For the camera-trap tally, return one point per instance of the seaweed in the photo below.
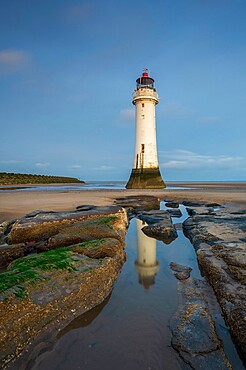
(26, 270)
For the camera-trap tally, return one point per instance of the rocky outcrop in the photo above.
(44, 291)
(133, 204)
(192, 203)
(5, 227)
(86, 230)
(41, 225)
(160, 225)
(175, 212)
(193, 331)
(198, 233)
(219, 239)
(11, 252)
(172, 204)
(180, 272)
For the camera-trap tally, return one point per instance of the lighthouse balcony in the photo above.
(145, 93)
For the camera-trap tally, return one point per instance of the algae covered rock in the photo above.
(46, 290)
(86, 230)
(40, 225)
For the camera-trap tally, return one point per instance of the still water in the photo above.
(130, 330)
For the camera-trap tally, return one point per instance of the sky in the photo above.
(68, 70)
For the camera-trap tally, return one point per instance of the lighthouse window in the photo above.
(142, 105)
(142, 116)
(142, 148)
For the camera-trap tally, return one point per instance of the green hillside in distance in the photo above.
(20, 178)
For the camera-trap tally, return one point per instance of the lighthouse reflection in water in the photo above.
(146, 264)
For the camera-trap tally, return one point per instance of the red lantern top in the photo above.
(145, 80)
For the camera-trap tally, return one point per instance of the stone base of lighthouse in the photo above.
(145, 178)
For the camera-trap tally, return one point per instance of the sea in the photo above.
(89, 185)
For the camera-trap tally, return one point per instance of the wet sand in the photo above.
(17, 204)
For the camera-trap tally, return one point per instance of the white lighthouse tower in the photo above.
(145, 172)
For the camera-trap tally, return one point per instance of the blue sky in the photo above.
(68, 69)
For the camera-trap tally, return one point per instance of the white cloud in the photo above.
(76, 166)
(210, 119)
(42, 165)
(183, 160)
(104, 168)
(12, 60)
(173, 164)
(127, 114)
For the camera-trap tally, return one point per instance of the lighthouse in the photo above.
(145, 172)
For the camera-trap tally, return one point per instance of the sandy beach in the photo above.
(17, 204)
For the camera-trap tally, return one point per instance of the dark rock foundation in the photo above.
(145, 178)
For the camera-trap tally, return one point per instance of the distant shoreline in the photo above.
(13, 178)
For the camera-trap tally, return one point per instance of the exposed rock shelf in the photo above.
(219, 237)
(193, 332)
(41, 292)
